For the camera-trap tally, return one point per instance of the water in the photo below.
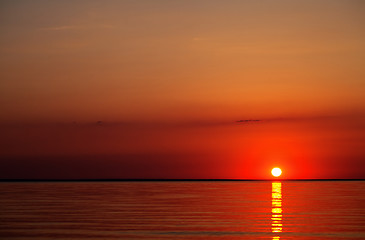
(183, 210)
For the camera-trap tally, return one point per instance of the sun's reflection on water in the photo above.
(276, 217)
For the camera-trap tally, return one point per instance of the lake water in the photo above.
(183, 210)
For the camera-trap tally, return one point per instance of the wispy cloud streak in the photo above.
(76, 27)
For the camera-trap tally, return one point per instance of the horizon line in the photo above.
(176, 180)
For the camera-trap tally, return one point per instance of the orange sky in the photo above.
(176, 75)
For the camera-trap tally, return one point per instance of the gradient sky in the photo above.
(170, 78)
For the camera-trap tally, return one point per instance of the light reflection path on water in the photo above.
(276, 216)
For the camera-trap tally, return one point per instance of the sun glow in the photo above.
(276, 172)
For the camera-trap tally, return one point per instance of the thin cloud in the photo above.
(60, 28)
(77, 27)
(248, 121)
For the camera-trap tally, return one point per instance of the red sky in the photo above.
(169, 79)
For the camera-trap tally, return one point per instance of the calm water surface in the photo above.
(183, 210)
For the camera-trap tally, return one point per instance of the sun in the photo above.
(276, 172)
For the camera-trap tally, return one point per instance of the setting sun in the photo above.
(276, 172)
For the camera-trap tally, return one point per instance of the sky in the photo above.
(168, 81)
